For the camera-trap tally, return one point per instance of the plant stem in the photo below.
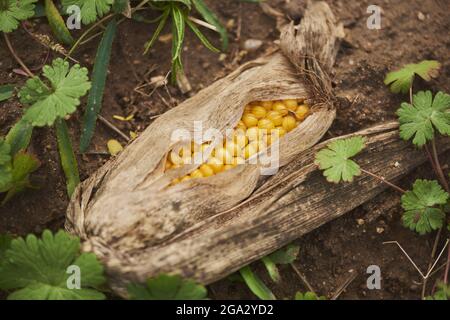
(16, 57)
(384, 181)
(439, 172)
(447, 267)
(114, 128)
(95, 25)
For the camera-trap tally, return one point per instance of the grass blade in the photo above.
(19, 136)
(57, 23)
(201, 36)
(178, 32)
(158, 30)
(256, 285)
(67, 156)
(6, 92)
(271, 268)
(211, 18)
(98, 85)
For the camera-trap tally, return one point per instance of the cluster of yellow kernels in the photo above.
(262, 123)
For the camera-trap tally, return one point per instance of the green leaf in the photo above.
(99, 75)
(335, 159)
(255, 284)
(67, 156)
(442, 293)
(158, 30)
(211, 18)
(201, 36)
(22, 166)
(19, 136)
(425, 115)
(13, 11)
(420, 204)
(57, 23)
(272, 269)
(5, 244)
(308, 296)
(285, 255)
(67, 85)
(90, 9)
(5, 152)
(37, 269)
(167, 287)
(178, 32)
(401, 80)
(6, 92)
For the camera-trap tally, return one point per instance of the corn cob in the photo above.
(261, 124)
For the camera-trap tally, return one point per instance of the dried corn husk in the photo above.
(127, 208)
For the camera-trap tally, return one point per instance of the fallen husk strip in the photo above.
(127, 208)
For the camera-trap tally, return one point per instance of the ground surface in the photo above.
(411, 31)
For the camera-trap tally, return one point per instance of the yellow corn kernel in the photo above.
(241, 125)
(251, 149)
(185, 178)
(233, 148)
(301, 112)
(266, 124)
(275, 117)
(281, 108)
(175, 158)
(223, 155)
(249, 120)
(215, 164)
(291, 104)
(206, 170)
(289, 123)
(248, 108)
(252, 134)
(259, 112)
(240, 139)
(267, 105)
(196, 174)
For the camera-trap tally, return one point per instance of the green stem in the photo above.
(67, 155)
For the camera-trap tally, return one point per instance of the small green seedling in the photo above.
(56, 98)
(423, 206)
(178, 13)
(13, 11)
(51, 101)
(335, 159)
(424, 116)
(167, 287)
(402, 80)
(40, 268)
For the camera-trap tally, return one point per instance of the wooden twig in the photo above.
(344, 285)
(302, 277)
(16, 57)
(114, 128)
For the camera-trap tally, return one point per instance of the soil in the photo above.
(410, 31)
